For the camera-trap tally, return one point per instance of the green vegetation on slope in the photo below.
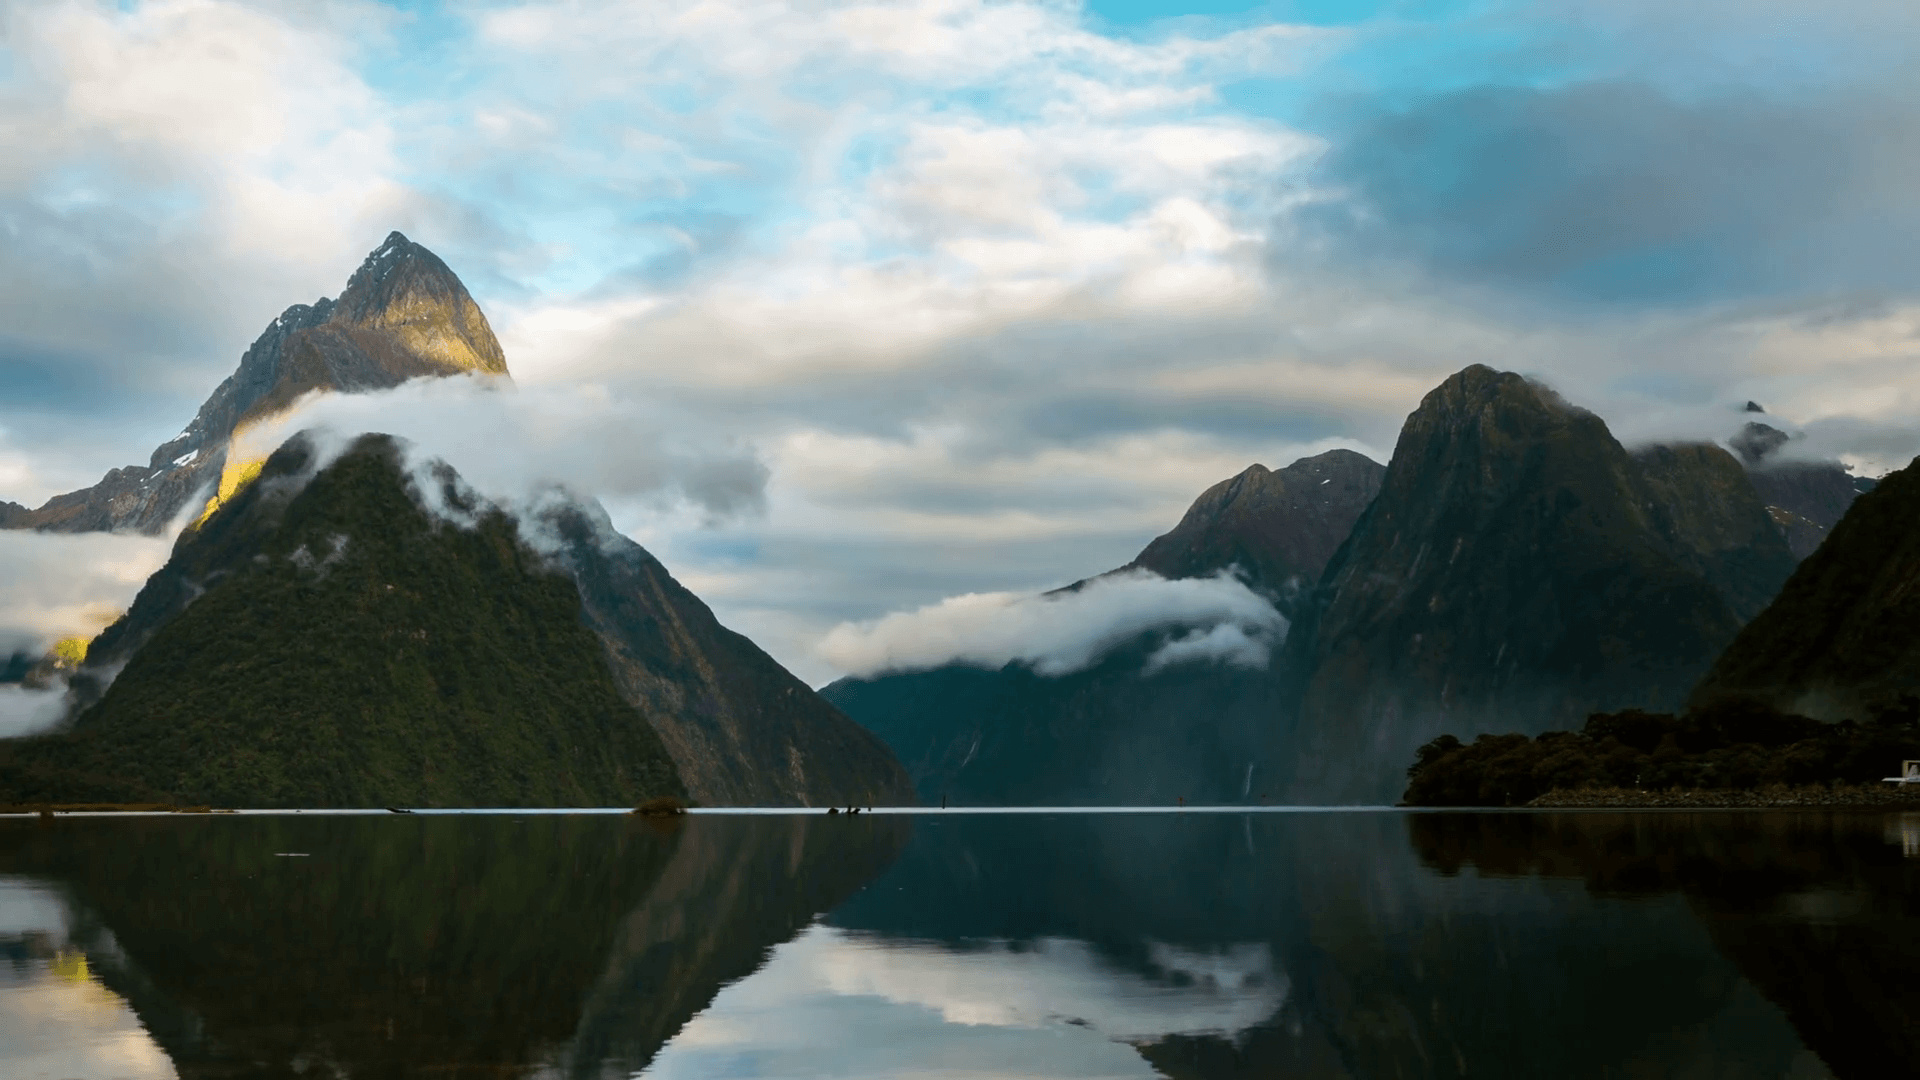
(1732, 745)
(336, 645)
(1843, 638)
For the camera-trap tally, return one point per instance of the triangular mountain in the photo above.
(1843, 638)
(402, 315)
(1125, 730)
(322, 639)
(1520, 570)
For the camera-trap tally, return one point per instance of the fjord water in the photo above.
(1052, 945)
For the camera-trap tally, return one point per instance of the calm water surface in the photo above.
(1138, 945)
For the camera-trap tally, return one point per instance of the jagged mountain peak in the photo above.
(1520, 569)
(404, 314)
(1755, 442)
(1278, 526)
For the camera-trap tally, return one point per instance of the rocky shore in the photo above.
(1779, 796)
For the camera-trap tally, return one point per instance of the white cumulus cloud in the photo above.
(1216, 618)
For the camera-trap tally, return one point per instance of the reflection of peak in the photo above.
(403, 315)
(556, 965)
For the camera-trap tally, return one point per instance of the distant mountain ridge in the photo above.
(403, 315)
(1276, 527)
(1121, 732)
(1518, 571)
(1805, 498)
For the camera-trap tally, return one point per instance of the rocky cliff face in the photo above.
(1278, 527)
(1122, 732)
(1518, 571)
(1843, 637)
(1805, 498)
(403, 315)
(742, 730)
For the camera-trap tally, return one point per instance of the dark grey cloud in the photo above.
(1616, 191)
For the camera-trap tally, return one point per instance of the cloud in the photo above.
(1616, 191)
(1060, 633)
(1053, 1008)
(511, 443)
(58, 585)
(28, 711)
(54, 586)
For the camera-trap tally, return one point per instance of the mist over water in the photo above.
(1226, 944)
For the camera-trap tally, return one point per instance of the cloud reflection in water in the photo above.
(847, 1004)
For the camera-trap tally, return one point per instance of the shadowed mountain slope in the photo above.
(1805, 498)
(1843, 637)
(1279, 527)
(1518, 571)
(402, 315)
(743, 730)
(1125, 731)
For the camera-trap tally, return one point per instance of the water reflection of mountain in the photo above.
(1819, 911)
(1388, 969)
(471, 946)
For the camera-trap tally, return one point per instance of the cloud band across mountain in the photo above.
(1212, 619)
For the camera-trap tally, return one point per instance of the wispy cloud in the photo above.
(54, 586)
(1206, 619)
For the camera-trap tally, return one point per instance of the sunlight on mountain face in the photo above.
(56, 1018)
(993, 1011)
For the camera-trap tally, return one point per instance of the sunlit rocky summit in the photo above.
(403, 315)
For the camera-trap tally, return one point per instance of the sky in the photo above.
(968, 298)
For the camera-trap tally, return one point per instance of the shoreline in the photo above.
(1839, 797)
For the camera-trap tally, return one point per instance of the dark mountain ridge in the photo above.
(1842, 640)
(1518, 571)
(1276, 527)
(403, 315)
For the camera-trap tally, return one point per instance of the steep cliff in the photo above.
(1518, 571)
(1279, 527)
(742, 730)
(1805, 498)
(1843, 637)
(403, 315)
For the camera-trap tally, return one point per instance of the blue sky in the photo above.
(990, 291)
